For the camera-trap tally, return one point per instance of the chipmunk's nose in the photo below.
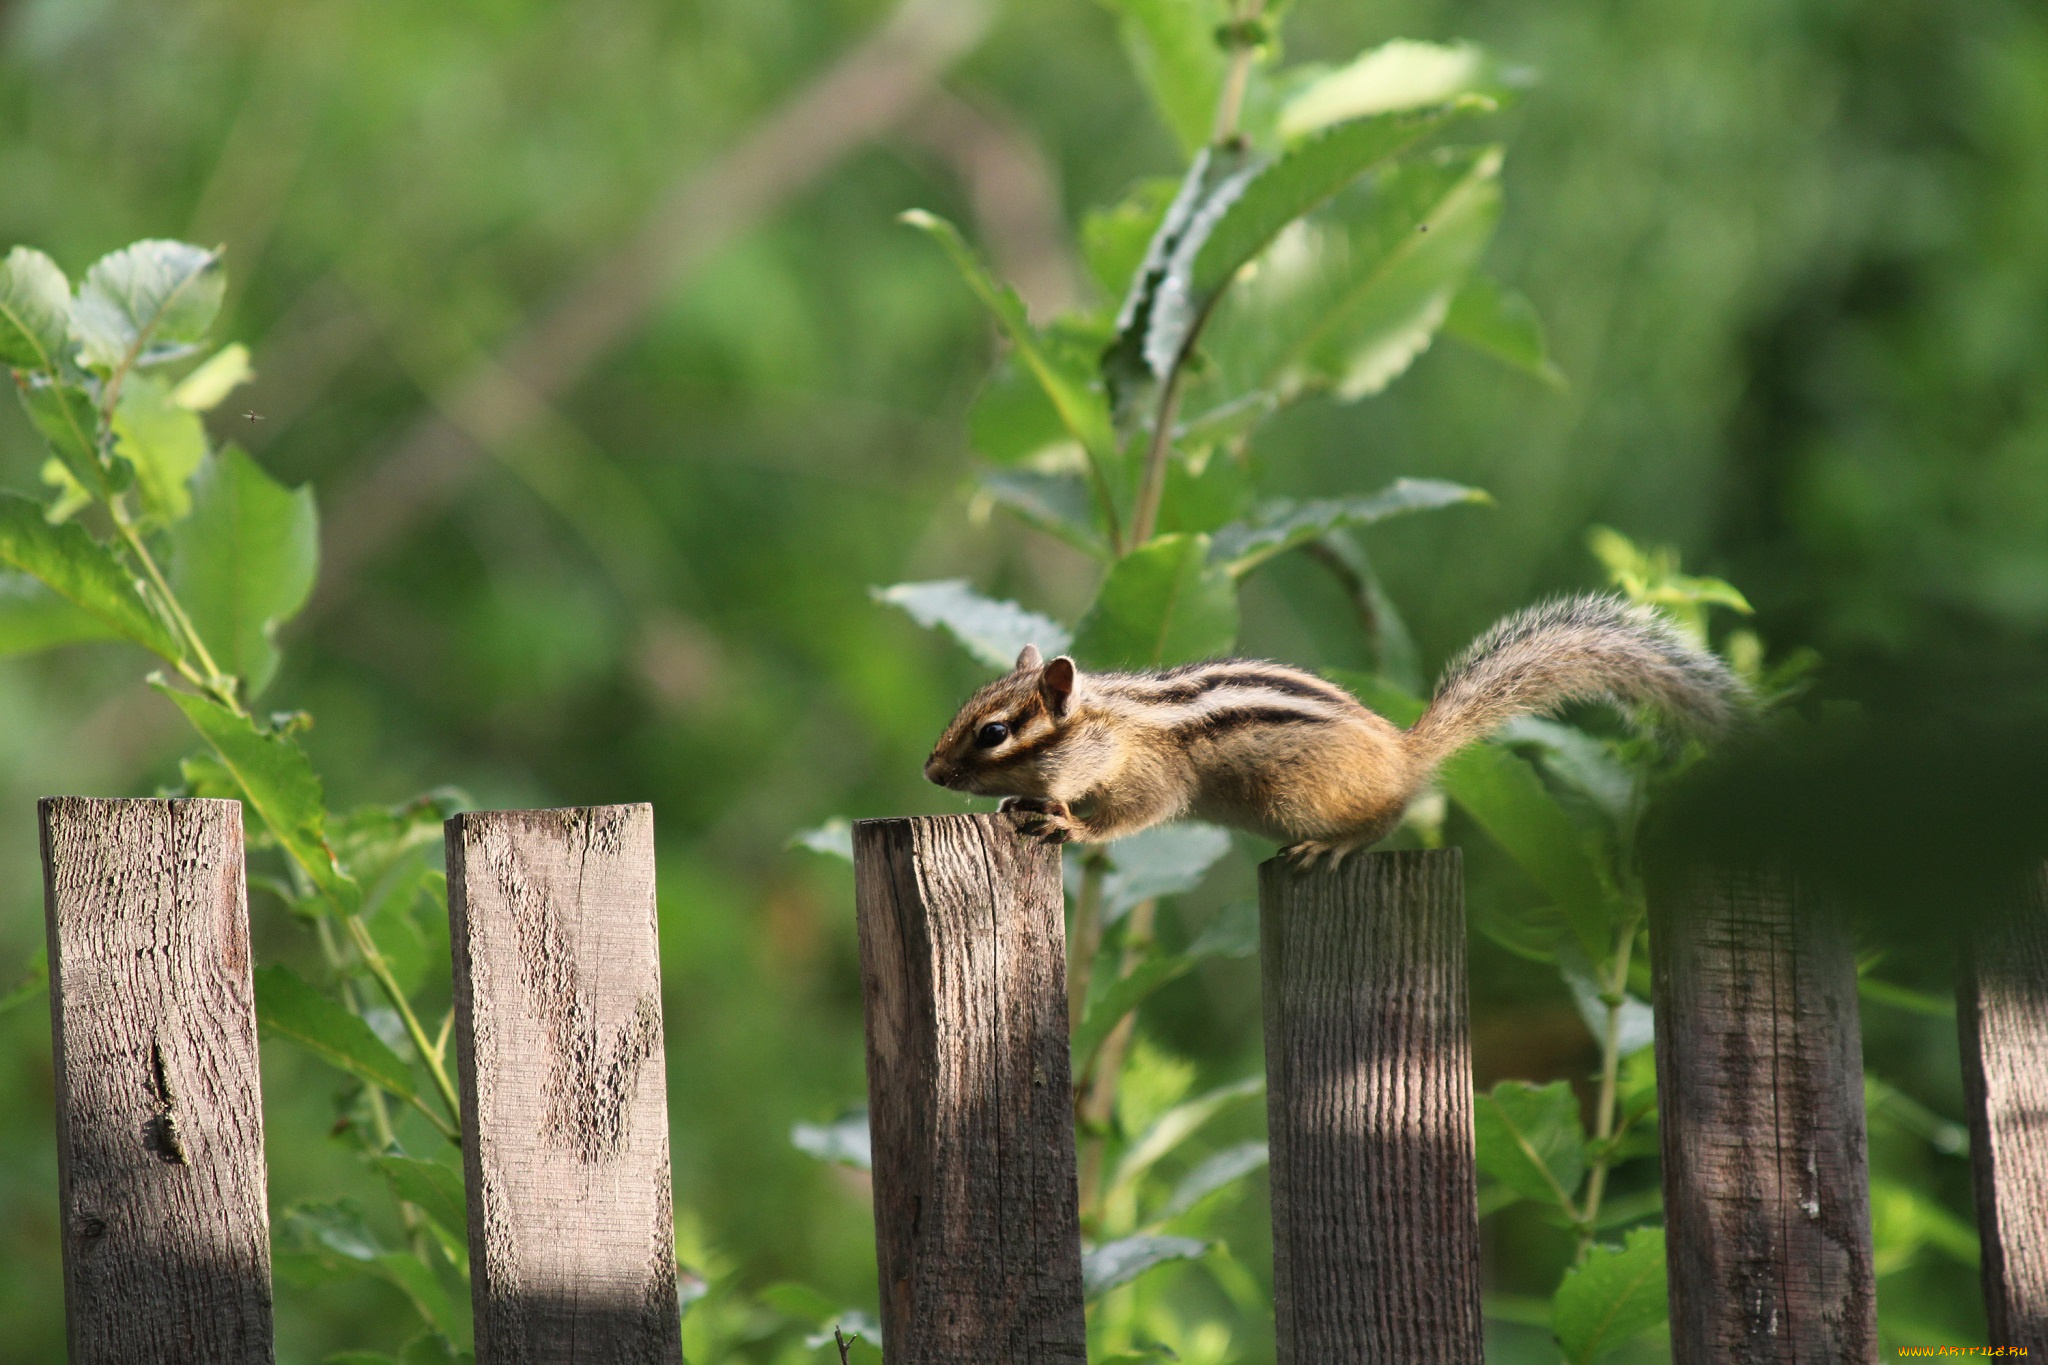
(935, 770)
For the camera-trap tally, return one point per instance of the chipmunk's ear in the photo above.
(1028, 659)
(1056, 684)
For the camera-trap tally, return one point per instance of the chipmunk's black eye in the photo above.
(991, 734)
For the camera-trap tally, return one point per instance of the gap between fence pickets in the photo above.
(564, 1106)
(166, 1238)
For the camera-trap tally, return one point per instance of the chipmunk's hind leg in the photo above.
(1305, 854)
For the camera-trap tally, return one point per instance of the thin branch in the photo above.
(1152, 491)
(871, 90)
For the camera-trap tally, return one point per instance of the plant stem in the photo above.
(1230, 102)
(359, 934)
(1615, 996)
(212, 681)
(1085, 939)
(1153, 489)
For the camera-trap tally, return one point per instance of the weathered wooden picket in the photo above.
(565, 1137)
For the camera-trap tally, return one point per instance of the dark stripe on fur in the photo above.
(1170, 693)
(1220, 723)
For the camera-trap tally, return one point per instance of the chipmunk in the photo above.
(1282, 753)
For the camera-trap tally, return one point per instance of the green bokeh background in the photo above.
(1793, 255)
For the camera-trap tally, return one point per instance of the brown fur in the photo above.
(1285, 754)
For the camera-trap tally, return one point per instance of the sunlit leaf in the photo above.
(1501, 321)
(1163, 603)
(1609, 1297)
(1530, 1139)
(834, 838)
(162, 442)
(72, 496)
(1114, 239)
(145, 303)
(287, 1005)
(1175, 1126)
(1172, 43)
(32, 618)
(1165, 860)
(224, 371)
(1080, 407)
(1904, 1221)
(276, 779)
(1401, 74)
(1635, 1021)
(993, 631)
(35, 311)
(1213, 1173)
(436, 1190)
(845, 1141)
(1105, 1267)
(1275, 527)
(81, 570)
(68, 418)
(244, 562)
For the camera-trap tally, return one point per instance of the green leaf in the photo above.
(1166, 860)
(244, 562)
(845, 1141)
(1163, 603)
(1531, 1140)
(1105, 1267)
(276, 779)
(35, 311)
(992, 631)
(1501, 321)
(72, 497)
(69, 419)
(224, 371)
(1176, 1126)
(81, 570)
(1012, 418)
(1281, 525)
(146, 303)
(834, 838)
(1058, 504)
(1401, 74)
(434, 1189)
(1615, 1293)
(164, 444)
(1213, 1173)
(1172, 43)
(32, 618)
(1246, 221)
(1507, 799)
(1124, 994)
(286, 1004)
(1080, 407)
(1904, 1221)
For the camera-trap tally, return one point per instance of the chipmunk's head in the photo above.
(1002, 741)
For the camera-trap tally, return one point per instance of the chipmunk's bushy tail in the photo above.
(1590, 648)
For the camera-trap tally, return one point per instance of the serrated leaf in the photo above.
(35, 311)
(1612, 1295)
(1213, 1173)
(1163, 603)
(1530, 1139)
(1058, 504)
(1080, 407)
(244, 562)
(276, 779)
(1501, 321)
(993, 631)
(846, 1141)
(1114, 240)
(1112, 1264)
(162, 442)
(1402, 74)
(1281, 525)
(287, 1004)
(32, 618)
(224, 371)
(146, 303)
(69, 419)
(81, 570)
(434, 1189)
(1172, 44)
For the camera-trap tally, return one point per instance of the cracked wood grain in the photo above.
(963, 969)
(2003, 1017)
(1760, 1106)
(1369, 1103)
(159, 1105)
(564, 1097)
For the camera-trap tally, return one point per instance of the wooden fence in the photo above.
(565, 1132)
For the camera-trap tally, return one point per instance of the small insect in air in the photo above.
(253, 416)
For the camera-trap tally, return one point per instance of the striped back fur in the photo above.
(1589, 648)
(1210, 699)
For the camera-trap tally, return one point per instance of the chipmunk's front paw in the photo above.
(1040, 819)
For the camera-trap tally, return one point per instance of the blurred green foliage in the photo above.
(1792, 263)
